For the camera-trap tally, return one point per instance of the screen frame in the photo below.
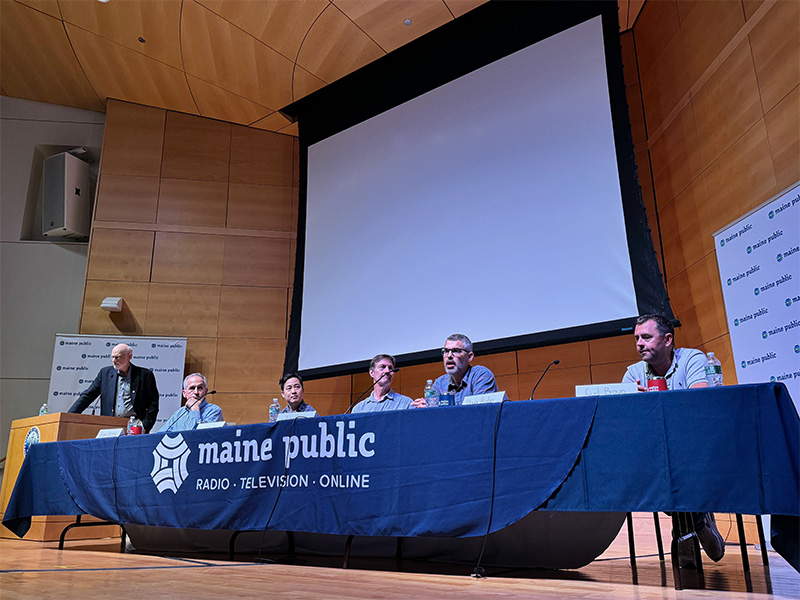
(485, 34)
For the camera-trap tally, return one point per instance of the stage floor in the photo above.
(95, 569)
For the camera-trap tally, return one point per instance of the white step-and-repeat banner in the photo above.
(78, 358)
(759, 265)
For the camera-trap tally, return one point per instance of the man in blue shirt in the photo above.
(461, 378)
(383, 397)
(683, 368)
(196, 410)
(293, 391)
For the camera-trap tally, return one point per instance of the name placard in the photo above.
(212, 425)
(106, 433)
(605, 389)
(296, 415)
(494, 397)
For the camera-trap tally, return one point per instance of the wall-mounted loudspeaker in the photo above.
(65, 199)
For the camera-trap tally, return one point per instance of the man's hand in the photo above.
(640, 386)
(419, 403)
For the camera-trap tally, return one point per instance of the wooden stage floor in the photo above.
(95, 569)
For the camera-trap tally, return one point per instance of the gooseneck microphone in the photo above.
(372, 385)
(555, 362)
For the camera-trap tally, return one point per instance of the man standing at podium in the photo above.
(124, 390)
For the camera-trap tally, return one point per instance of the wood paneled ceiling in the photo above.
(233, 60)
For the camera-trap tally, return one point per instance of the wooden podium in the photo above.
(54, 427)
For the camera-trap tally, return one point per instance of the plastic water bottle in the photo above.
(431, 398)
(134, 426)
(274, 409)
(43, 410)
(713, 370)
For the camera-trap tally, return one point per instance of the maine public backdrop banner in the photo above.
(78, 358)
(759, 265)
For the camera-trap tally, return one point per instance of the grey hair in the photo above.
(460, 337)
(205, 383)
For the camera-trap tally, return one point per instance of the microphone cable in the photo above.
(479, 572)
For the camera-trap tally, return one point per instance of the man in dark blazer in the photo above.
(124, 390)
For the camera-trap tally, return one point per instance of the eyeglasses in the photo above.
(453, 351)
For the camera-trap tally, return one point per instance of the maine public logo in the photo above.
(722, 243)
(749, 249)
(169, 463)
(779, 258)
(32, 437)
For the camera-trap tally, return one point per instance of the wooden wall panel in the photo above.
(617, 349)
(251, 366)
(188, 258)
(256, 262)
(665, 82)
(201, 357)
(701, 43)
(657, 24)
(132, 319)
(783, 133)
(675, 157)
(696, 297)
(244, 409)
(742, 178)
(611, 372)
(336, 386)
(261, 158)
(504, 363)
(252, 312)
(188, 202)
(196, 148)
(569, 355)
(558, 383)
(133, 140)
(728, 105)
(120, 255)
(127, 199)
(260, 207)
(687, 236)
(775, 43)
(183, 310)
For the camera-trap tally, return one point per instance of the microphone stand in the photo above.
(555, 362)
(372, 385)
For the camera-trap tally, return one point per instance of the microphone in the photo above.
(555, 362)
(186, 409)
(372, 385)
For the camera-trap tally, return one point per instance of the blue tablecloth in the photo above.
(430, 472)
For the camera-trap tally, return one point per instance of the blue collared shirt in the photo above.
(687, 369)
(302, 408)
(392, 401)
(186, 420)
(478, 380)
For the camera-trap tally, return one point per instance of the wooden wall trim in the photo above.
(159, 227)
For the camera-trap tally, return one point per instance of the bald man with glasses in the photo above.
(461, 378)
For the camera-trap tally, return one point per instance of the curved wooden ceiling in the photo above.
(234, 60)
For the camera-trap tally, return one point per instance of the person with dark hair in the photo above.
(461, 378)
(292, 391)
(383, 397)
(124, 389)
(683, 368)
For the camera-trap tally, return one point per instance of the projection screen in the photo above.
(490, 205)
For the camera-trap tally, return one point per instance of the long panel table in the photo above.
(437, 472)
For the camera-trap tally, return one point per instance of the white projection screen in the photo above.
(490, 205)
